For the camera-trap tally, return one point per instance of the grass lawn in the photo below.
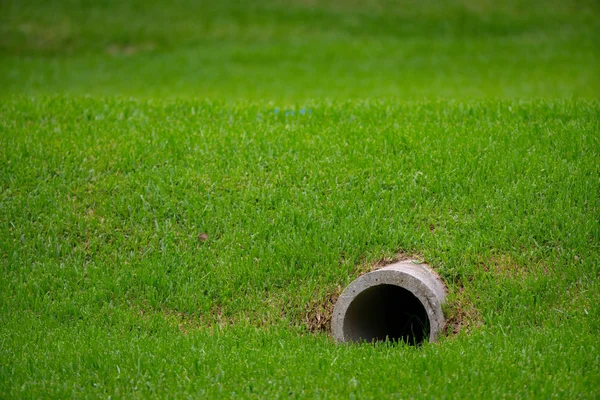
(185, 188)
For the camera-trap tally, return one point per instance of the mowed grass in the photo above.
(108, 290)
(185, 188)
(299, 50)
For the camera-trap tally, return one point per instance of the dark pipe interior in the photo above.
(386, 312)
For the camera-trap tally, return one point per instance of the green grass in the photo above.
(290, 51)
(308, 142)
(103, 200)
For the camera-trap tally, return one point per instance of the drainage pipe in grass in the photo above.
(400, 302)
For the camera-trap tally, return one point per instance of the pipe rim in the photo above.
(418, 279)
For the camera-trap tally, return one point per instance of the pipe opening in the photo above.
(386, 312)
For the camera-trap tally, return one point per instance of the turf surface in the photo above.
(295, 51)
(186, 188)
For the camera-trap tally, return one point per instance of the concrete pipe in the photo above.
(400, 302)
